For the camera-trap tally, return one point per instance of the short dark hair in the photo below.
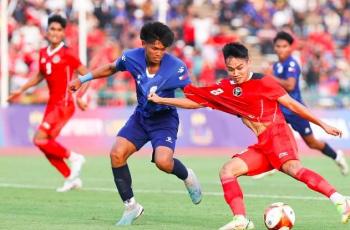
(57, 18)
(236, 50)
(282, 35)
(153, 31)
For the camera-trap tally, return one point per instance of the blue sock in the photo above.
(122, 180)
(328, 151)
(179, 170)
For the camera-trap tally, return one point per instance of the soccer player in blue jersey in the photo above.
(154, 70)
(287, 72)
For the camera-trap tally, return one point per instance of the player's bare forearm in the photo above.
(177, 102)
(305, 113)
(35, 80)
(299, 109)
(104, 71)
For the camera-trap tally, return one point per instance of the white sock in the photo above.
(74, 156)
(337, 198)
(339, 155)
(130, 202)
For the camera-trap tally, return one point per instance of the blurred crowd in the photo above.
(321, 29)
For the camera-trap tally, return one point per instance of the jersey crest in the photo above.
(237, 91)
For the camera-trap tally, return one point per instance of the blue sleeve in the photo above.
(292, 69)
(120, 63)
(182, 78)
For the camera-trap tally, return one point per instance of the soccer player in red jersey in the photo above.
(56, 66)
(256, 98)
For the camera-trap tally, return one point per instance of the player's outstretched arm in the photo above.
(177, 102)
(104, 71)
(305, 113)
(33, 81)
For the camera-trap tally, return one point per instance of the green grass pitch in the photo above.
(28, 199)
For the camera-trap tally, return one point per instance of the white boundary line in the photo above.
(262, 196)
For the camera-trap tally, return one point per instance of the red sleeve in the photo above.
(194, 94)
(272, 89)
(74, 62)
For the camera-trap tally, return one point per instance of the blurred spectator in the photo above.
(321, 29)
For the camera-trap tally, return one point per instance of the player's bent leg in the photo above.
(44, 143)
(119, 154)
(229, 173)
(317, 183)
(163, 158)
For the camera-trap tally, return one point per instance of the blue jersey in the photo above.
(172, 74)
(284, 70)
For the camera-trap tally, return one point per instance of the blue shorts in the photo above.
(299, 124)
(161, 129)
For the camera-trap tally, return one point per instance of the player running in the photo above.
(56, 66)
(154, 70)
(287, 72)
(256, 98)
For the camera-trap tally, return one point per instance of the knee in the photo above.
(118, 156)
(292, 167)
(165, 164)
(230, 169)
(39, 142)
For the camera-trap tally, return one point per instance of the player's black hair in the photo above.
(236, 50)
(57, 18)
(153, 31)
(282, 35)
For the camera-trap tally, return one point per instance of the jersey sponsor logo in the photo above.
(123, 58)
(237, 91)
(283, 154)
(169, 139)
(217, 91)
(181, 69)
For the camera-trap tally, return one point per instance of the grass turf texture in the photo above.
(28, 199)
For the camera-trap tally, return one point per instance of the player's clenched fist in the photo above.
(74, 85)
(154, 98)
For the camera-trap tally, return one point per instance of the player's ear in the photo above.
(143, 42)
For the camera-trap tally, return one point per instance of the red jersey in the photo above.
(58, 66)
(255, 99)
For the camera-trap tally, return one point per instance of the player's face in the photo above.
(238, 69)
(55, 33)
(283, 49)
(154, 51)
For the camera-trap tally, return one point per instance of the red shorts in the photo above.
(55, 117)
(276, 145)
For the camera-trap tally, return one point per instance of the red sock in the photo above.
(315, 182)
(55, 153)
(233, 195)
(59, 164)
(53, 148)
